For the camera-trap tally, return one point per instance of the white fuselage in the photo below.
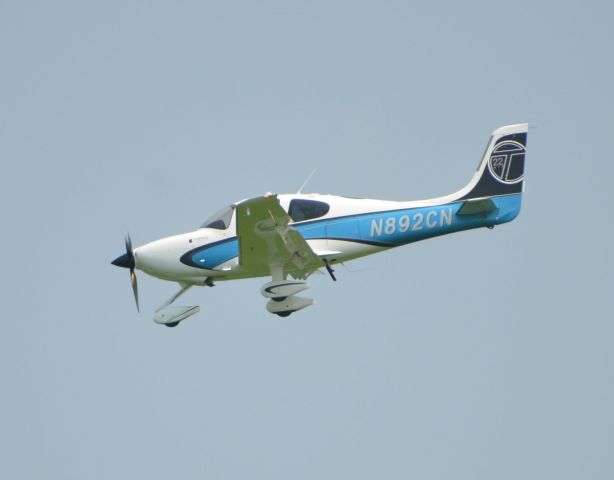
(349, 229)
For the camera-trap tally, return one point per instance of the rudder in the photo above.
(501, 171)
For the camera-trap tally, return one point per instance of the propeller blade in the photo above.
(129, 253)
(127, 260)
(135, 289)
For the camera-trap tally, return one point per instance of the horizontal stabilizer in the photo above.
(475, 207)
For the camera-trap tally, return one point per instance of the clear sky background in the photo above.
(480, 355)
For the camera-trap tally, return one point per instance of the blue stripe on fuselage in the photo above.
(399, 227)
(211, 256)
(388, 228)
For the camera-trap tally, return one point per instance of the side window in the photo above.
(301, 210)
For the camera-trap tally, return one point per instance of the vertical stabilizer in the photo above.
(501, 171)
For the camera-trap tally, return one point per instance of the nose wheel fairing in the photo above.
(171, 315)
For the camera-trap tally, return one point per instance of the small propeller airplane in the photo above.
(295, 235)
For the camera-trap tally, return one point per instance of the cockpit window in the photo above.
(220, 220)
(301, 210)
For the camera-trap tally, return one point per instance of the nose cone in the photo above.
(122, 261)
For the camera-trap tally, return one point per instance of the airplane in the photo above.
(288, 237)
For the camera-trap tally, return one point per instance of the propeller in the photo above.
(127, 261)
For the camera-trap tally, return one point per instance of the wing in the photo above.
(267, 241)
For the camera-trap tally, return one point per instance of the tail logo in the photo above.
(506, 162)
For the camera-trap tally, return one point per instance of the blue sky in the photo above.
(485, 354)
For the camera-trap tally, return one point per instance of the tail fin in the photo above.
(501, 171)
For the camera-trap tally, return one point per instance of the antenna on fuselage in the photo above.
(300, 190)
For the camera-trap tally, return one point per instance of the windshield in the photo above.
(220, 220)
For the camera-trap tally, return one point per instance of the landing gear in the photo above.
(281, 293)
(171, 315)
